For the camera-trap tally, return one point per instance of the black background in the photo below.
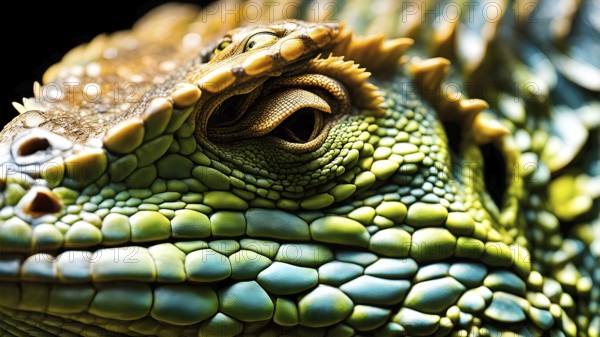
(51, 32)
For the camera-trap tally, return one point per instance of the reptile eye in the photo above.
(222, 45)
(260, 40)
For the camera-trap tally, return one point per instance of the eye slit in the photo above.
(260, 40)
(223, 44)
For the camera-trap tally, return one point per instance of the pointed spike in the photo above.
(472, 106)
(19, 107)
(37, 90)
(29, 104)
(373, 87)
(486, 129)
(353, 77)
(448, 107)
(391, 57)
(429, 73)
(374, 52)
(51, 73)
(95, 47)
(443, 38)
(73, 55)
(399, 44)
(431, 65)
(364, 76)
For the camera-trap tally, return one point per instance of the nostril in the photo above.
(39, 201)
(44, 203)
(38, 146)
(33, 145)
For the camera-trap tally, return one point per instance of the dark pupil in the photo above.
(251, 44)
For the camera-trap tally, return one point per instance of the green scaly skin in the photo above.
(149, 227)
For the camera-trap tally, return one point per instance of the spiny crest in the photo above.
(373, 52)
(443, 38)
(19, 107)
(451, 106)
(364, 94)
(30, 104)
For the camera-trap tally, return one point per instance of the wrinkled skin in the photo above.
(256, 183)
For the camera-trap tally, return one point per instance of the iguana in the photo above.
(202, 177)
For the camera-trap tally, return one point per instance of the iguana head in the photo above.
(266, 184)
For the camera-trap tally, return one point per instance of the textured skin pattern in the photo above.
(296, 179)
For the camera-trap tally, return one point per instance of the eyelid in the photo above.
(263, 39)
